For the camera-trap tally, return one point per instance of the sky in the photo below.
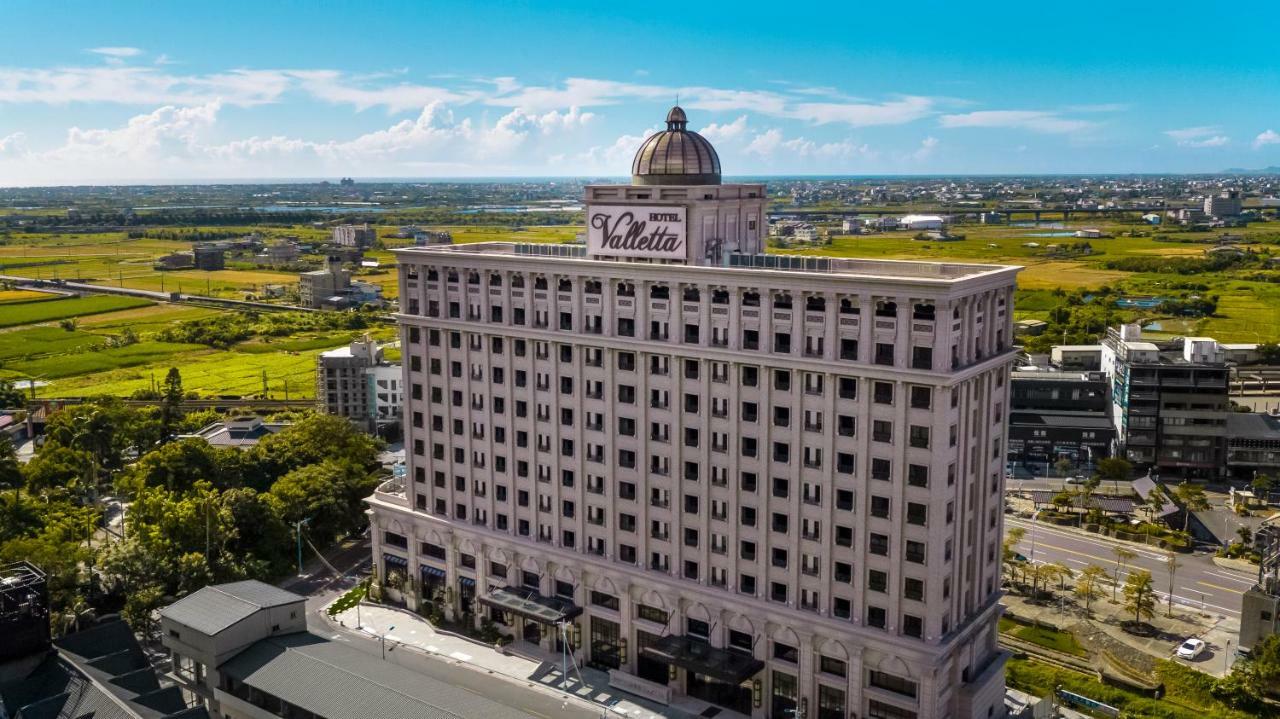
(94, 92)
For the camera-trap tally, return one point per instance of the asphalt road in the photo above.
(1197, 581)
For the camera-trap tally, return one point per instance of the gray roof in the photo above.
(217, 607)
(338, 681)
(1241, 425)
(1084, 420)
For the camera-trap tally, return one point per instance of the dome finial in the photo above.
(676, 119)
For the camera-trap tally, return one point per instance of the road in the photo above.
(320, 587)
(1198, 582)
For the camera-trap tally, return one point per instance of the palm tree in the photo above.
(1171, 562)
(1191, 497)
(1123, 556)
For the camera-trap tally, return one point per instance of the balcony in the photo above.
(392, 492)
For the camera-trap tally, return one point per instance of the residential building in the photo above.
(1088, 233)
(320, 286)
(1169, 402)
(244, 651)
(354, 235)
(1059, 415)
(357, 383)
(769, 483)
(1224, 204)
(851, 226)
(175, 261)
(428, 237)
(209, 257)
(282, 252)
(238, 432)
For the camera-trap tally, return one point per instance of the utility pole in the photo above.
(1172, 560)
(298, 531)
(383, 638)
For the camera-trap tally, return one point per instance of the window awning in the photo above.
(392, 560)
(531, 605)
(430, 571)
(696, 655)
(466, 582)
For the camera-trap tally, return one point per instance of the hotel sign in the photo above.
(654, 232)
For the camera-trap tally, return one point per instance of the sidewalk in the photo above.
(521, 663)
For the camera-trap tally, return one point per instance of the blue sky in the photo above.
(97, 92)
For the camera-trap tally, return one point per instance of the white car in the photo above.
(1078, 479)
(1191, 648)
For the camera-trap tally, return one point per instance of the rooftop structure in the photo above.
(238, 432)
(676, 156)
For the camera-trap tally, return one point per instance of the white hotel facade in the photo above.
(768, 483)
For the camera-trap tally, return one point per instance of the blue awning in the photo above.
(466, 582)
(430, 571)
(392, 560)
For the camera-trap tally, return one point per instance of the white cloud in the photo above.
(165, 135)
(1201, 136)
(1034, 120)
(862, 114)
(1268, 137)
(116, 52)
(13, 145)
(336, 87)
(773, 145)
(139, 86)
(927, 146)
(725, 132)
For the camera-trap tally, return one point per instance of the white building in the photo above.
(354, 235)
(1225, 204)
(767, 483)
(921, 222)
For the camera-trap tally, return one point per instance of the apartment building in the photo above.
(318, 287)
(1224, 204)
(356, 382)
(354, 235)
(1169, 402)
(769, 483)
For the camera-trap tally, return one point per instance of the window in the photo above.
(878, 544)
(921, 397)
(913, 588)
(883, 393)
(880, 507)
(882, 431)
(884, 353)
(848, 388)
(890, 682)
(919, 437)
(915, 552)
(917, 475)
(917, 514)
(651, 614)
(877, 581)
(922, 357)
(785, 652)
(875, 617)
(912, 625)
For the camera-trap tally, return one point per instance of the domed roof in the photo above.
(676, 156)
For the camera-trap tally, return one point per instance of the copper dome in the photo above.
(676, 156)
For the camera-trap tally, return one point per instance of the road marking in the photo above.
(1230, 578)
(1225, 589)
(1088, 540)
(461, 657)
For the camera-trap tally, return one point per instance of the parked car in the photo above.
(1191, 648)
(1078, 479)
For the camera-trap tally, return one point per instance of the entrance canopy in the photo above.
(531, 605)
(696, 655)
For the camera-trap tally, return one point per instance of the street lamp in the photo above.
(383, 638)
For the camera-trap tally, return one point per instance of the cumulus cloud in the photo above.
(1042, 121)
(927, 146)
(1268, 137)
(863, 114)
(1201, 136)
(13, 145)
(725, 132)
(139, 86)
(772, 144)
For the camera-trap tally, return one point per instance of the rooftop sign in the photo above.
(653, 232)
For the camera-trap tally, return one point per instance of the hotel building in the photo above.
(769, 483)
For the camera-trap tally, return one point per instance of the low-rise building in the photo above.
(1085, 358)
(921, 222)
(282, 252)
(1088, 233)
(238, 432)
(422, 238)
(1056, 415)
(243, 650)
(1253, 443)
(209, 257)
(317, 286)
(175, 261)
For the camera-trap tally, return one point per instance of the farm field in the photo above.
(46, 311)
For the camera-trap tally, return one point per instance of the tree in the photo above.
(171, 396)
(1087, 585)
(1191, 497)
(1009, 554)
(1155, 502)
(314, 439)
(1115, 469)
(1139, 595)
(59, 468)
(11, 397)
(330, 495)
(1245, 534)
(1063, 499)
(1261, 486)
(1063, 466)
(10, 469)
(1123, 555)
(177, 466)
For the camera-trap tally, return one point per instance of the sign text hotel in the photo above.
(656, 232)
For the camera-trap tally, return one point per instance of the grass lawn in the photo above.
(47, 311)
(1185, 699)
(1054, 639)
